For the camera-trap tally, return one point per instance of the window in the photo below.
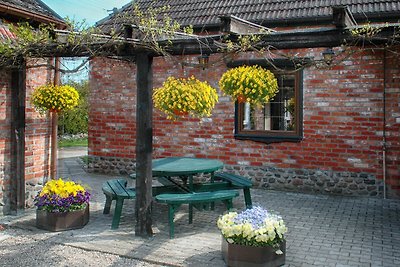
(277, 121)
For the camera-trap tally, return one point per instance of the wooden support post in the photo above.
(54, 125)
(144, 144)
(17, 176)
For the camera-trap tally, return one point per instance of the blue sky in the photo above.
(90, 10)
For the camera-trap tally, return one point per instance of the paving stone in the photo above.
(323, 230)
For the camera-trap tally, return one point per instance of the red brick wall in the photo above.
(37, 133)
(392, 93)
(112, 109)
(343, 121)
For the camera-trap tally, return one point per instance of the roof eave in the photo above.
(60, 24)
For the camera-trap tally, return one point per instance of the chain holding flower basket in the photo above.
(54, 98)
(185, 96)
(252, 84)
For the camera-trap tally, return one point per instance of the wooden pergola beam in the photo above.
(17, 134)
(291, 39)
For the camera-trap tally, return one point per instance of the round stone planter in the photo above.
(61, 221)
(247, 256)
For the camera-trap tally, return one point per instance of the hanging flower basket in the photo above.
(54, 98)
(252, 84)
(185, 96)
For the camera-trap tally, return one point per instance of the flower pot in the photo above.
(61, 221)
(180, 112)
(248, 256)
(241, 99)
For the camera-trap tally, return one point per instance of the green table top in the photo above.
(175, 166)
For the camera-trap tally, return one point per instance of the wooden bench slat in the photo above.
(236, 182)
(197, 197)
(234, 179)
(193, 199)
(116, 190)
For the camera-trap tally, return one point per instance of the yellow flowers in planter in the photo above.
(252, 84)
(55, 98)
(255, 227)
(185, 96)
(62, 196)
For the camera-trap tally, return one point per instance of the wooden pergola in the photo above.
(143, 55)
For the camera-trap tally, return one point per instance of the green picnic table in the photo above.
(176, 176)
(185, 168)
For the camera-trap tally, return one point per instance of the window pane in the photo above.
(278, 115)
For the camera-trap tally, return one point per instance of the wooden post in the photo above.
(54, 124)
(144, 144)
(17, 176)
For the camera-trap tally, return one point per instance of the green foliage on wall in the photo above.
(76, 121)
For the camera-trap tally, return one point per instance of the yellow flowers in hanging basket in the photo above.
(252, 84)
(185, 96)
(55, 98)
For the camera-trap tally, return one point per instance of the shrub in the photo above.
(76, 121)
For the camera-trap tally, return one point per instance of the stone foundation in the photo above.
(111, 165)
(32, 187)
(312, 181)
(298, 180)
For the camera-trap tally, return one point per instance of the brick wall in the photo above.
(37, 133)
(112, 112)
(5, 113)
(341, 151)
(392, 93)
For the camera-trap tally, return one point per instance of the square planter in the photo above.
(61, 221)
(248, 256)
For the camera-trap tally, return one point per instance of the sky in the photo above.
(89, 10)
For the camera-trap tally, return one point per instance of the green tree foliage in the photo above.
(76, 121)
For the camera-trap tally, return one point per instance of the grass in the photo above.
(85, 160)
(73, 142)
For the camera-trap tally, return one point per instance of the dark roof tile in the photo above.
(202, 13)
(32, 6)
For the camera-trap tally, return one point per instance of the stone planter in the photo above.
(61, 221)
(247, 256)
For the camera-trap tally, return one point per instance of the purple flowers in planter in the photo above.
(60, 196)
(255, 216)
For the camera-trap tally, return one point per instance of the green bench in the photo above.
(237, 182)
(116, 190)
(199, 200)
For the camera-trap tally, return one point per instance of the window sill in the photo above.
(268, 139)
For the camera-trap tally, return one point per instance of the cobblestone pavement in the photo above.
(323, 230)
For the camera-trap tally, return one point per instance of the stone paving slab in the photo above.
(323, 230)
